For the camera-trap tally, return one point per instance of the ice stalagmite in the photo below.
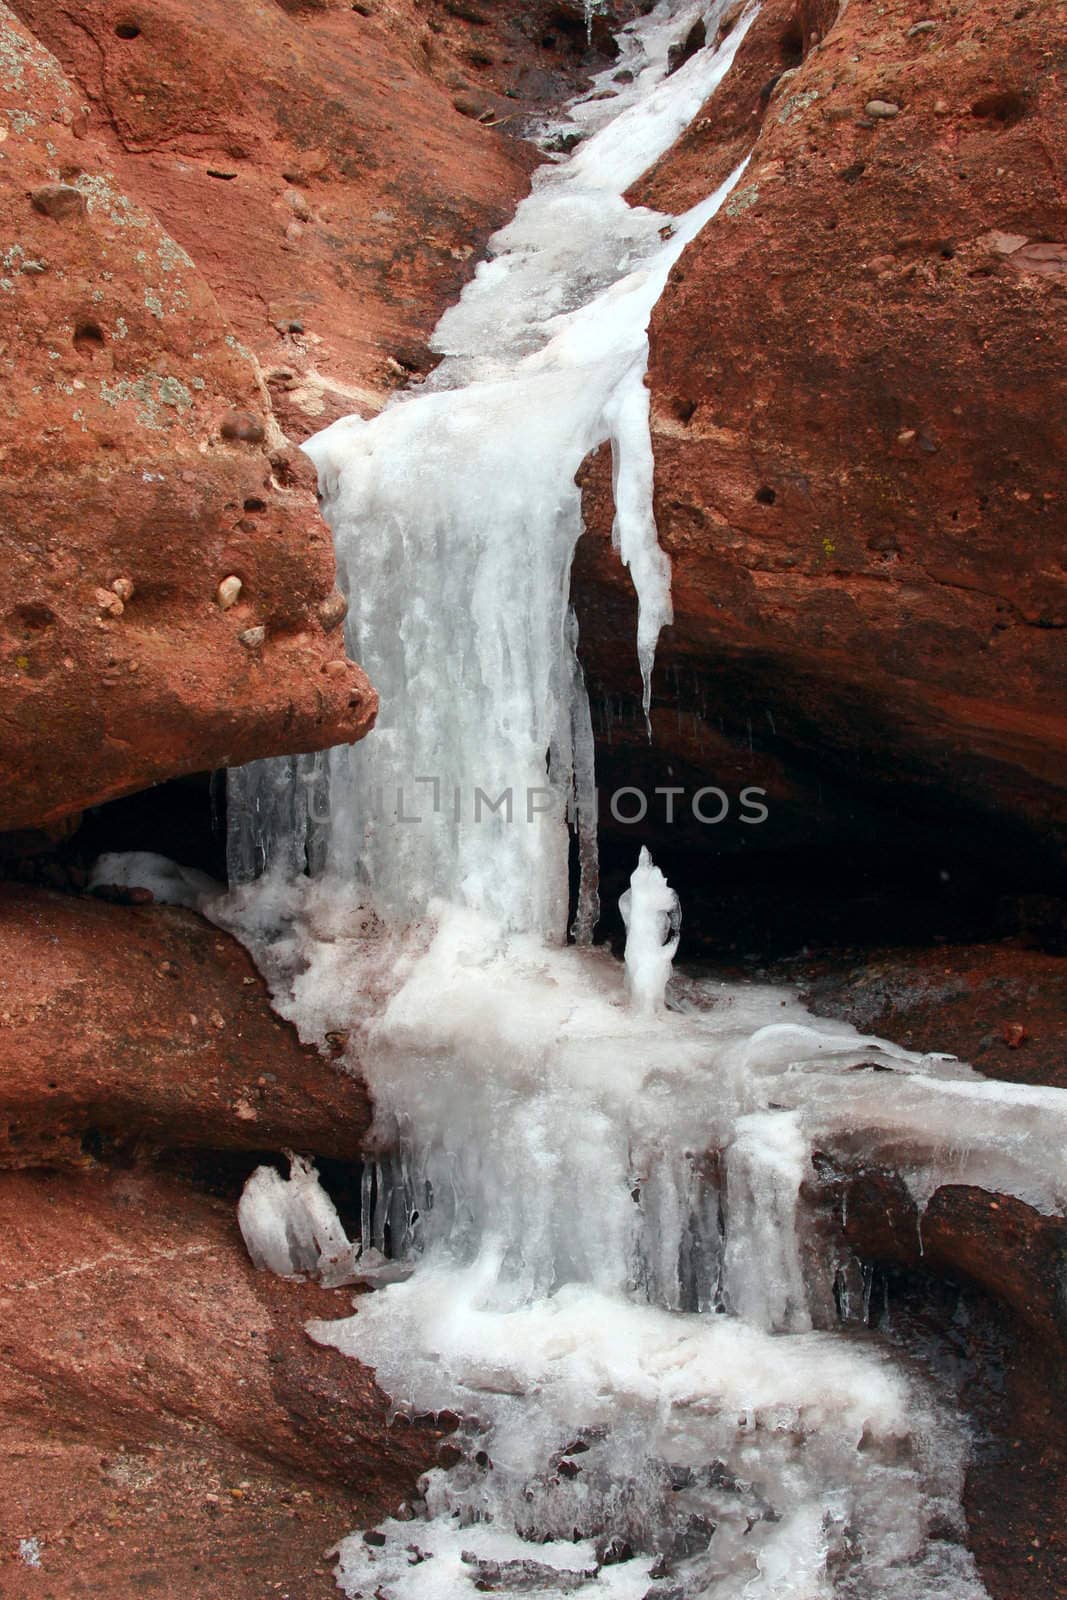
(291, 1226)
(652, 914)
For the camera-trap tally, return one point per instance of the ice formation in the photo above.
(290, 1225)
(455, 516)
(170, 883)
(652, 915)
(589, 1175)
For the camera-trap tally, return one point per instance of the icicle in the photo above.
(585, 795)
(634, 530)
(763, 1276)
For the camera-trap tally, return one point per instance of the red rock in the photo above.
(144, 1027)
(860, 478)
(357, 105)
(957, 998)
(165, 1424)
(116, 368)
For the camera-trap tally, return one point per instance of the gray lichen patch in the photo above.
(171, 255)
(22, 57)
(742, 200)
(796, 103)
(148, 394)
(101, 196)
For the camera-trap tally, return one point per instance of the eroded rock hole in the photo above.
(183, 820)
(791, 45)
(1004, 107)
(127, 30)
(765, 495)
(31, 618)
(88, 338)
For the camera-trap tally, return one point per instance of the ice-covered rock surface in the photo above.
(595, 1173)
(169, 882)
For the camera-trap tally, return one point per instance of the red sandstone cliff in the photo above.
(858, 401)
(141, 470)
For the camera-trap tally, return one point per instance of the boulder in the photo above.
(856, 376)
(124, 502)
(128, 1028)
(167, 1427)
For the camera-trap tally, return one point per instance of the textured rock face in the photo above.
(998, 1006)
(333, 169)
(145, 1028)
(973, 1286)
(167, 1428)
(141, 467)
(164, 1420)
(857, 381)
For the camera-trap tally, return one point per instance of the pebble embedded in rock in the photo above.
(882, 108)
(243, 425)
(335, 669)
(288, 315)
(333, 610)
(917, 29)
(109, 602)
(58, 200)
(252, 638)
(297, 204)
(1004, 244)
(309, 164)
(124, 588)
(468, 106)
(228, 592)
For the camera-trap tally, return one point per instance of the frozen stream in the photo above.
(584, 1214)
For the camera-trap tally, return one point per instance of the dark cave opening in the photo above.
(183, 819)
(766, 870)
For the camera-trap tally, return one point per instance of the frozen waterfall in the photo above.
(455, 516)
